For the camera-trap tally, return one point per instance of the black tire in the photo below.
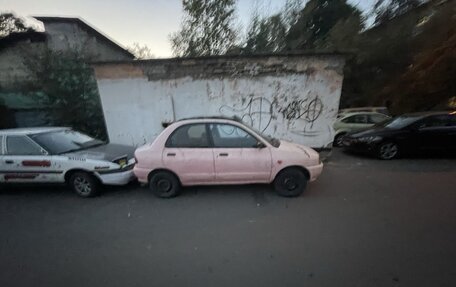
(388, 151)
(338, 140)
(84, 184)
(164, 184)
(290, 182)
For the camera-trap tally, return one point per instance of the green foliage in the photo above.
(69, 91)
(329, 25)
(429, 80)
(207, 28)
(266, 35)
(9, 23)
(385, 10)
(316, 21)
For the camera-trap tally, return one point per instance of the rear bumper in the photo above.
(142, 174)
(117, 178)
(315, 171)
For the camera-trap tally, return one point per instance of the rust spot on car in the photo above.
(20, 176)
(279, 162)
(42, 163)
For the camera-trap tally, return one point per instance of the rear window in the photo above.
(189, 136)
(21, 145)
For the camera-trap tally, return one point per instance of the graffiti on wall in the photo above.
(256, 112)
(309, 110)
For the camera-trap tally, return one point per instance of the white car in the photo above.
(62, 155)
(355, 122)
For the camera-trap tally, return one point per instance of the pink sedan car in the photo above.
(216, 151)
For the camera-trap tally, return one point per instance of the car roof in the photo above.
(236, 119)
(426, 114)
(28, 131)
(362, 113)
(210, 120)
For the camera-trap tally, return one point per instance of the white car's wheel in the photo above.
(84, 184)
(338, 140)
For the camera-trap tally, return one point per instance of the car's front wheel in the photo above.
(84, 184)
(338, 140)
(164, 184)
(388, 150)
(290, 182)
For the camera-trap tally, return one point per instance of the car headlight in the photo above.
(370, 139)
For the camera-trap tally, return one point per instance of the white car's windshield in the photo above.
(65, 141)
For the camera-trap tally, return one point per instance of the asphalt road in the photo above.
(363, 223)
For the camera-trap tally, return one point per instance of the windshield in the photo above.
(65, 141)
(399, 122)
(271, 140)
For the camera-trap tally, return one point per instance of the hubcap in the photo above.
(388, 151)
(82, 185)
(290, 183)
(164, 185)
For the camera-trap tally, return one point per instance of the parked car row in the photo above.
(409, 134)
(200, 151)
(210, 151)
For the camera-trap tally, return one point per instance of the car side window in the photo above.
(1, 144)
(189, 136)
(230, 136)
(356, 119)
(435, 122)
(21, 145)
(375, 119)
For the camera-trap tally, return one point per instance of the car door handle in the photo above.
(223, 154)
(9, 161)
(171, 154)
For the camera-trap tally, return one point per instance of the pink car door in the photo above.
(237, 157)
(188, 153)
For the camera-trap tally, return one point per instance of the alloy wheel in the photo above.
(388, 151)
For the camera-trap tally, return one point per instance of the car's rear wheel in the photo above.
(290, 182)
(84, 184)
(388, 150)
(164, 184)
(338, 140)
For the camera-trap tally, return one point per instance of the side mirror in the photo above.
(260, 145)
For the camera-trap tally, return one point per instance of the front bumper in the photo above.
(315, 171)
(354, 145)
(121, 177)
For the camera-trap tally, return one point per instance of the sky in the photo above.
(148, 22)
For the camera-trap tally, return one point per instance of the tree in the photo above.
(9, 23)
(68, 90)
(265, 35)
(207, 28)
(385, 10)
(316, 20)
(141, 52)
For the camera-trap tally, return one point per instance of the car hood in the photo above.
(378, 131)
(108, 152)
(297, 148)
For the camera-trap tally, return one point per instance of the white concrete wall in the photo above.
(297, 107)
